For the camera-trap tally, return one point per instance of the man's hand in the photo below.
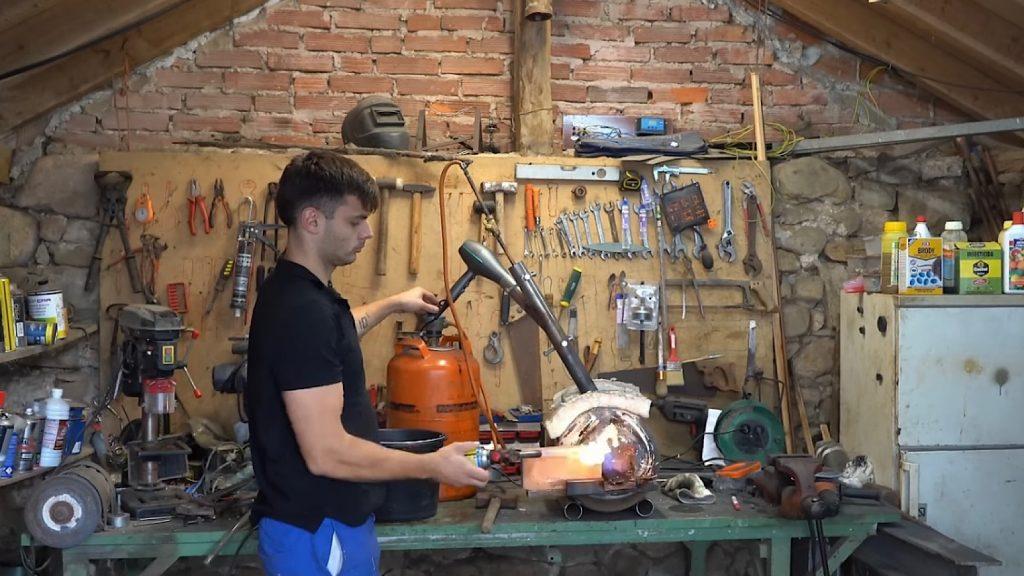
(416, 300)
(449, 465)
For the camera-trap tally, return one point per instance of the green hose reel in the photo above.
(747, 430)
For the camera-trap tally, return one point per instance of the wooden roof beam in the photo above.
(940, 71)
(991, 43)
(40, 90)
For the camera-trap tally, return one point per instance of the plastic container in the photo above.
(56, 412)
(921, 228)
(1013, 256)
(891, 234)
(1002, 233)
(953, 233)
(408, 500)
(76, 429)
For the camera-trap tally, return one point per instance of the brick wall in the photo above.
(289, 75)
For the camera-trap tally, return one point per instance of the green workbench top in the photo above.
(539, 522)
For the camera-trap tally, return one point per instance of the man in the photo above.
(313, 429)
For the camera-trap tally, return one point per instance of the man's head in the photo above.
(324, 199)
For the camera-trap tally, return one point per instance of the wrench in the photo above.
(751, 211)
(726, 250)
(700, 250)
(678, 247)
(585, 216)
(551, 241)
(627, 233)
(641, 214)
(609, 209)
(573, 217)
(527, 243)
(563, 229)
(543, 242)
(595, 209)
(561, 240)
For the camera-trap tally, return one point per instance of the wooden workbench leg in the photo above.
(780, 556)
(698, 557)
(840, 551)
(159, 565)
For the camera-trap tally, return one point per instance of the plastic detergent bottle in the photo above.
(891, 234)
(55, 429)
(921, 228)
(953, 233)
(1013, 256)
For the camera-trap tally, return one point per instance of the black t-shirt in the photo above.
(303, 336)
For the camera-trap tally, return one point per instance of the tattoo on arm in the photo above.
(364, 323)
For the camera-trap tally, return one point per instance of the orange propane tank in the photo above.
(428, 388)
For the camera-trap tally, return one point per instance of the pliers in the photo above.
(218, 200)
(195, 198)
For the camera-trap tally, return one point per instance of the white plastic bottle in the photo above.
(1013, 256)
(921, 228)
(953, 233)
(55, 430)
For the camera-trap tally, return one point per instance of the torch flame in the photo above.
(594, 452)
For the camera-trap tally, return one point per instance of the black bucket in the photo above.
(409, 500)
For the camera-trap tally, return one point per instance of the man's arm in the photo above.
(330, 451)
(416, 301)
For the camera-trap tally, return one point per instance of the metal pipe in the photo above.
(572, 510)
(644, 508)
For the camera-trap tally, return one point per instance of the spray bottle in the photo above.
(1013, 256)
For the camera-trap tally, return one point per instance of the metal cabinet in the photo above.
(932, 391)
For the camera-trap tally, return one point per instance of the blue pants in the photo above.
(335, 549)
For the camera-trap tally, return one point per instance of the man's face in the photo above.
(346, 232)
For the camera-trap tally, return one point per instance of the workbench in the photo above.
(537, 522)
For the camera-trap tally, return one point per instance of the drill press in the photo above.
(149, 358)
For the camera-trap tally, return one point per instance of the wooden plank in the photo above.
(6, 154)
(75, 333)
(531, 84)
(28, 95)
(68, 24)
(859, 25)
(16, 11)
(867, 388)
(196, 260)
(1009, 10)
(759, 144)
(989, 42)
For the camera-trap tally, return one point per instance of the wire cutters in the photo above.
(195, 198)
(218, 200)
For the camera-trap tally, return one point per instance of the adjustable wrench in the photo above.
(627, 233)
(726, 250)
(752, 214)
(641, 214)
(609, 209)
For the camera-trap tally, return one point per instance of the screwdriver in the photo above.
(220, 284)
(570, 286)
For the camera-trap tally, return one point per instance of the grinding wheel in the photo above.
(748, 431)
(64, 510)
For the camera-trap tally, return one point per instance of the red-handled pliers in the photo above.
(195, 198)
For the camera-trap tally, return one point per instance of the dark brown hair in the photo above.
(322, 179)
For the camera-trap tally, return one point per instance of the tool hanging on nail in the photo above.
(114, 199)
(570, 287)
(249, 233)
(225, 274)
(197, 203)
(752, 213)
(144, 213)
(493, 354)
(531, 193)
(726, 250)
(220, 202)
(269, 203)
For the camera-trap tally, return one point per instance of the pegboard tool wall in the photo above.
(525, 374)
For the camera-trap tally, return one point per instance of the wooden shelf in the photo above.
(75, 333)
(19, 476)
